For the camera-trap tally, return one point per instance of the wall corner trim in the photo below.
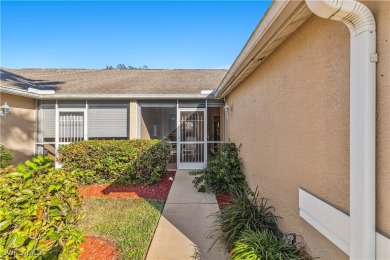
(329, 221)
(335, 224)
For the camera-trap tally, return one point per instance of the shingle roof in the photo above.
(83, 81)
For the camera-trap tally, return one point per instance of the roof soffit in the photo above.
(280, 21)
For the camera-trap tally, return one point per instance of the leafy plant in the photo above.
(262, 244)
(39, 212)
(246, 212)
(223, 173)
(119, 161)
(6, 156)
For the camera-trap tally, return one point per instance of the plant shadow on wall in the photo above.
(247, 226)
(25, 83)
(18, 128)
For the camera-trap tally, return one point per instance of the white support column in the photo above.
(86, 120)
(362, 147)
(361, 23)
(56, 138)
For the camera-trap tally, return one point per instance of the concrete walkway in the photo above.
(181, 231)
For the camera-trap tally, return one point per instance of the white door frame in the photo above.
(184, 165)
(57, 131)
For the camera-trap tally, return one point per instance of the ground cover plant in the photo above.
(254, 244)
(39, 212)
(246, 224)
(247, 211)
(129, 223)
(117, 161)
(223, 173)
(6, 156)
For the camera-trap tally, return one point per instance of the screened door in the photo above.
(191, 141)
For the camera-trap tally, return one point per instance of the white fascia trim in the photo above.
(126, 96)
(41, 91)
(361, 23)
(18, 92)
(269, 18)
(335, 224)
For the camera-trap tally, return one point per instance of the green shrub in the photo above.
(119, 161)
(6, 156)
(39, 212)
(223, 173)
(262, 244)
(8, 169)
(246, 212)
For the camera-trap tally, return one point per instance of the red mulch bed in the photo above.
(224, 199)
(95, 248)
(157, 191)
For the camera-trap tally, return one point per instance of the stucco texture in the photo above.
(291, 116)
(17, 130)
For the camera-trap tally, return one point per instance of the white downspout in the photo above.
(361, 23)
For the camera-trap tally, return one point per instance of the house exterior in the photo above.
(312, 143)
(52, 107)
(306, 121)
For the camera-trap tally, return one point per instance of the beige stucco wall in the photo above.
(291, 116)
(17, 130)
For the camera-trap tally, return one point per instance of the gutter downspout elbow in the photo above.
(361, 24)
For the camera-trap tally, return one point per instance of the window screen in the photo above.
(108, 120)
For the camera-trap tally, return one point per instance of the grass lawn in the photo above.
(129, 222)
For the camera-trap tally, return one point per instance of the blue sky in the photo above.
(91, 34)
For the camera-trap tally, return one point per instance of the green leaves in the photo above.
(4, 224)
(223, 173)
(246, 212)
(39, 208)
(263, 245)
(6, 156)
(119, 161)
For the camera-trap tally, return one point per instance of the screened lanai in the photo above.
(193, 127)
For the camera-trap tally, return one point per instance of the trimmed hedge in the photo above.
(39, 212)
(6, 156)
(118, 161)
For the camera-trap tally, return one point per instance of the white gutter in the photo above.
(41, 91)
(126, 96)
(18, 92)
(361, 23)
(45, 96)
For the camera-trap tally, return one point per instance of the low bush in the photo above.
(263, 244)
(119, 161)
(246, 212)
(6, 156)
(223, 173)
(39, 212)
